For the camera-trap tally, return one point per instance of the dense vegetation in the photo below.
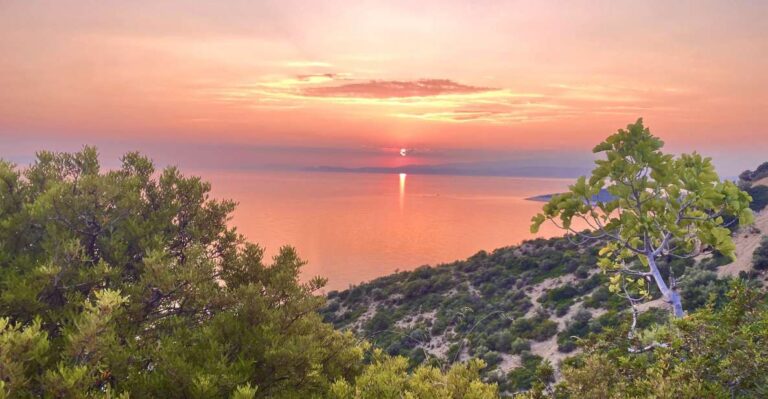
(495, 306)
(716, 352)
(129, 282)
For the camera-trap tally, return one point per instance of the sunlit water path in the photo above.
(355, 227)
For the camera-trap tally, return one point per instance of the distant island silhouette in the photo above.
(602, 196)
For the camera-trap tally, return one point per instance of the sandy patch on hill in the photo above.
(548, 350)
(369, 313)
(535, 291)
(437, 347)
(746, 240)
(656, 303)
(410, 321)
(509, 362)
(761, 182)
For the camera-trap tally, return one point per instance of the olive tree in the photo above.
(656, 206)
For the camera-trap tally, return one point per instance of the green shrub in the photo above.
(760, 256)
(538, 328)
(700, 286)
(759, 197)
(492, 358)
(519, 345)
(380, 321)
(522, 378)
(577, 328)
(416, 288)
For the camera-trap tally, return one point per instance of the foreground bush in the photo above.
(388, 378)
(129, 283)
(712, 353)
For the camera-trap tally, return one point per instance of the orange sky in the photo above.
(349, 82)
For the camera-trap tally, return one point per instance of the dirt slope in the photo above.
(746, 240)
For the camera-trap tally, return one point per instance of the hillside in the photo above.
(516, 306)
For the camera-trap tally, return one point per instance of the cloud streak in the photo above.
(395, 89)
(449, 101)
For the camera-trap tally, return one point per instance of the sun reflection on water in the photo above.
(402, 189)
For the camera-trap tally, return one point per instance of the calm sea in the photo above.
(352, 228)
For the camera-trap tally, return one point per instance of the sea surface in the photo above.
(352, 228)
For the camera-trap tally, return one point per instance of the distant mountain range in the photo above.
(466, 169)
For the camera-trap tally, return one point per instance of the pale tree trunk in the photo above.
(671, 295)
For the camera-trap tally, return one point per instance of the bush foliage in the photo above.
(129, 282)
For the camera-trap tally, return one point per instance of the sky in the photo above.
(272, 84)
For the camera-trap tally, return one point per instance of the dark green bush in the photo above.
(700, 286)
(577, 328)
(519, 345)
(379, 322)
(759, 197)
(522, 378)
(492, 358)
(538, 328)
(760, 256)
